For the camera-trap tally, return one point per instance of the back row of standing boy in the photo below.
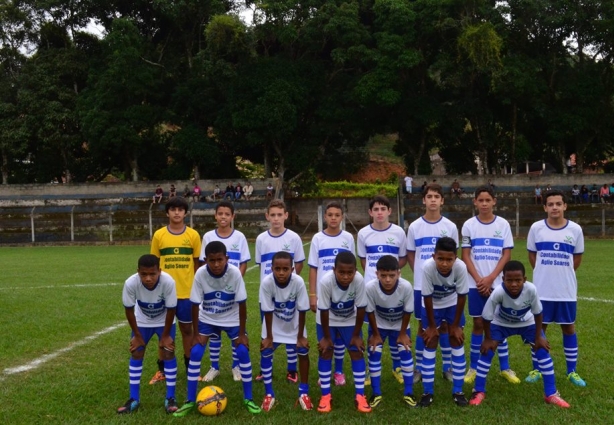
(342, 298)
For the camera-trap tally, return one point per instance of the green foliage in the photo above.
(345, 189)
(481, 45)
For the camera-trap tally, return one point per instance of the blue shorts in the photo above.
(476, 302)
(442, 315)
(147, 333)
(500, 333)
(344, 333)
(559, 312)
(215, 332)
(389, 334)
(418, 304)
(303, 351)
(184, 310)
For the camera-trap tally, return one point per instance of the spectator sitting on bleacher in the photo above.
(216, 193)
(172, 192)
(548, 188)
(238, 191)
(248, 190)
(158, 195)
(594, 193)
(196, 192)
(538, 194)
(604, 193)
(575, 194)
(492, 186)
(229, 192)
(456, 189)
(270, 191)
(584, 193)
(423, 186)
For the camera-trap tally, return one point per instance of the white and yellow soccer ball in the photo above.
(211, 401)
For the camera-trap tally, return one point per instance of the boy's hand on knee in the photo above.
(302, 342)
(358, 342)
(374, 341)
(541, 342)
(404, 340)
(457, 334)
(167, 344)
(198, 339)
(266, 344)
(430, 334)
(136, 342)
(242, 340)
(325, 344)
(488, 345)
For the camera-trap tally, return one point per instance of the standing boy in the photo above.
(341, 311)
(487, 246)
(444, 290)
(150, 301)
(390, 303)
(284, 302)
(276, 239)
(325, 246)
(178, 247)
(238, 256)
(376, 240)
(218, 305)
(555, 247)
(422, 235)
(514, 309)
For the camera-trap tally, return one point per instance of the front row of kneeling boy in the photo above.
(219, 305)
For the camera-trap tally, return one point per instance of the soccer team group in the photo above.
(200, 286)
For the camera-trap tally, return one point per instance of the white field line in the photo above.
(597, 300)
(79, 285)
(34, 364)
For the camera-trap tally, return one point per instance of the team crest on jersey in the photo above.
(569, 240)
(161, 298)
(390, 241)
(444, 233)
(497, 234)
(292, 296)
(345, 245)
(234, 247)
(351, 295)
(526, 303)
(229, 288)
(286, 247)
(186, 242)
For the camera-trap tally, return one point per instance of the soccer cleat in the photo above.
(448, 375)
(158, 377)
(477, 397)
(210, 376)
(470, 376)
(398, 375)
(460, 399)
(236, 373)
(268, 402)
(426, 400)
(187, 407)
(410, 400)
(556, 400)
(305, 402)
(259, 377)
(375, 400)
(325, 405)
(510, 376)
(170, 405)
(292, 376)
(534, 376)
(575, 379)
(339, 379)
(130, 406)
(417, 376)
(251, 406)
(361, 403)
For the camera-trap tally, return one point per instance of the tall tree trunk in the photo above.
(268, 166)
(5, 167)
(513, 163)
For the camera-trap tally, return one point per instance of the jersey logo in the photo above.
(234, 247)
(286, 247)
(497, 234)
(569, 240)
(526, 303)
(466, 240)
(228, 288)
(345, 245)
(486, 241)
(556, 246)
(390, 241)
(186, 242)
(444, 233)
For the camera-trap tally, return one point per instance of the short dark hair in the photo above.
(282, 255)
(513, 266)
(345, 257)
(433, 187)
(387, 263)
(215, 247)
(446, 244)
(149, 260)
(177, 202)
(333, 204)
(276, 203)
(225, 204)
(554, 192)
(379, 199)
(484, 188)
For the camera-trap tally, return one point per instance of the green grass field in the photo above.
(64, 353)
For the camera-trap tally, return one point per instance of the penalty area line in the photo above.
(598, 300)
(78, 285)
(34, 364)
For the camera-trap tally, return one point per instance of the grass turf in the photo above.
(64, 352)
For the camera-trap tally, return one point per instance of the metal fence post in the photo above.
(72, 224)
(517, 217)
(150, 222)
(32, 223)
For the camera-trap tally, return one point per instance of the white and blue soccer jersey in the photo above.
(150, 304)
(503, 310)
(324, 249)
(267, 245)
(390, 308)
(219, 296)
(444, 289)
(236, 246)
(422, 236)
(554, 274)
(285, 304)
(374, 244)
(487, 242)
(340, 302)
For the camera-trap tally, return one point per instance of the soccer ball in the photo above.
(211, 401)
